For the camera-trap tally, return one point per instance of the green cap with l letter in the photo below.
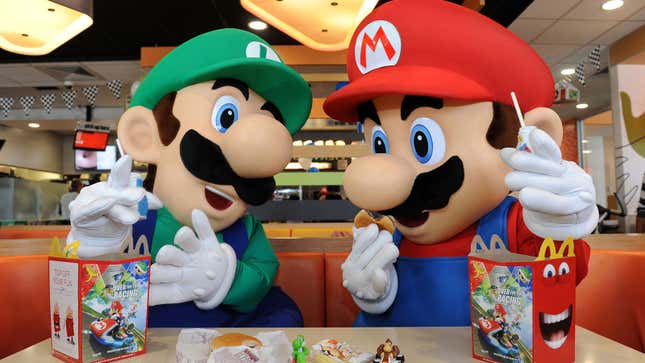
(229, 53)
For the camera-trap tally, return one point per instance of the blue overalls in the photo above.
(435, 291)
(275, 310)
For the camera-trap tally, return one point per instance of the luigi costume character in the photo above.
(213, 120)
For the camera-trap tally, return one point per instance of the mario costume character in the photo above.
(213, 120)
(431, 81)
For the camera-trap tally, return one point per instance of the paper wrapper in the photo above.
(193, 346)
(333, 351)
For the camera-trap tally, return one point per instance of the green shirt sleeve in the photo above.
(255, 271)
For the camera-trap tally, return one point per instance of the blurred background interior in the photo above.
(48, 101)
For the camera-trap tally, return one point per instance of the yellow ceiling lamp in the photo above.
(36, 27)
(325, 25)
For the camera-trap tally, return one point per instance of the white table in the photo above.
(420, 345)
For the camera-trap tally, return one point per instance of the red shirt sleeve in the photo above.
(522, 240)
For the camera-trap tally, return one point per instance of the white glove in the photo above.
(203, 272)
(558, 197)
(102, 214)
(368, 272)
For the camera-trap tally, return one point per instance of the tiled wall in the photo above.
(569, 145)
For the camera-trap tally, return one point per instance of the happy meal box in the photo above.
(522, 307)
(99, 307)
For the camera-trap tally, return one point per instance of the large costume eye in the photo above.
(380, 145)
(427, 141)
(549, 271)
(564, 268)
(225, 113)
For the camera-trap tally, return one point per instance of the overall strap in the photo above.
(237, 237)
(145, 227)
(496, 222)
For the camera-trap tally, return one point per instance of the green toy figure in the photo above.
(300, 351)
(213, 120)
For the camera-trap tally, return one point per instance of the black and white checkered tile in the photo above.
(115, 88)
(90, 94)
(68, 98)
(27, 102)
(5, 105)
(594, 57)
(48, 100)
(580, 73)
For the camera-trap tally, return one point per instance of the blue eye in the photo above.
(380, 145)
(225, 113)
(427, 141)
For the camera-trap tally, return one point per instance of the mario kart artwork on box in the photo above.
(501, 311)
(114, 308)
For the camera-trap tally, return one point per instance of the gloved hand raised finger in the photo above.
(518, 180)
(171, 255)
(186, 239)
(204, 231)
(123, 215)
(546, 202)
(165, 273)
(532, 163)
(82, 213)
(127, 196)
(376, 246)
(544, 146)
(119, 177)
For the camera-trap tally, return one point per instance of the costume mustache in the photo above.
(431, 190)
(206, 161)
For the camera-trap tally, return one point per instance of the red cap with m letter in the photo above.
(439, 49)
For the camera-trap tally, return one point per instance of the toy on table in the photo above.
(333, 351)
(388, 353)
(300, 350)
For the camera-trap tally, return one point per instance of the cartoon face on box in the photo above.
(554, 303)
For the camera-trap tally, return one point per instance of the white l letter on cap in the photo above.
(259, 50)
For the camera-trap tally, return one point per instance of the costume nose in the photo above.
(257, 146)
(379, 182)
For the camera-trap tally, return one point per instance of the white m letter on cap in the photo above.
(378, 45)
(259, 50)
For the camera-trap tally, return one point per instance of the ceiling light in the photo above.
(304, 20)
(37, 27)
(582, 106)
(584, 141)
(612, 5)
(34, 125)
(257, 25)
(567, 71)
